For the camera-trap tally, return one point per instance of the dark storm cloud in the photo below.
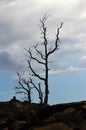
(8, 63)
(8, 35)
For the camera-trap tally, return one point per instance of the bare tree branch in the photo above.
(34, 73)
(20, 92)
(35, 59)
(38, 90)
(39, 52)
(56, 42)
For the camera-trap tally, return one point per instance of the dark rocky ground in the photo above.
(16, 115)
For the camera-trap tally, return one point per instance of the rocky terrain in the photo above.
(16, 115)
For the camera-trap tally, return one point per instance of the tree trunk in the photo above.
(29, 97)
(46, 96)
(46, 79)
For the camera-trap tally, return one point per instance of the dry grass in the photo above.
(5, 129)
(14, 115)
(69, 110)
(54, 126)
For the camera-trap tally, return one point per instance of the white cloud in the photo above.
(83, 58)
(19, 21)
(72, 69)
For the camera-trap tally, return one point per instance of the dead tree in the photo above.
(44, 56)
(38, 88)
(23, 87)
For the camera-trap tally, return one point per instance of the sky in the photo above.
(19, 29)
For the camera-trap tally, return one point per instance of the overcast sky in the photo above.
(19, 29)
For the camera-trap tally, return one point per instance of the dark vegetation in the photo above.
(17, 115)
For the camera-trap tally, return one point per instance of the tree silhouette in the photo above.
(40, 55)
(25, 86)
(44, 56)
